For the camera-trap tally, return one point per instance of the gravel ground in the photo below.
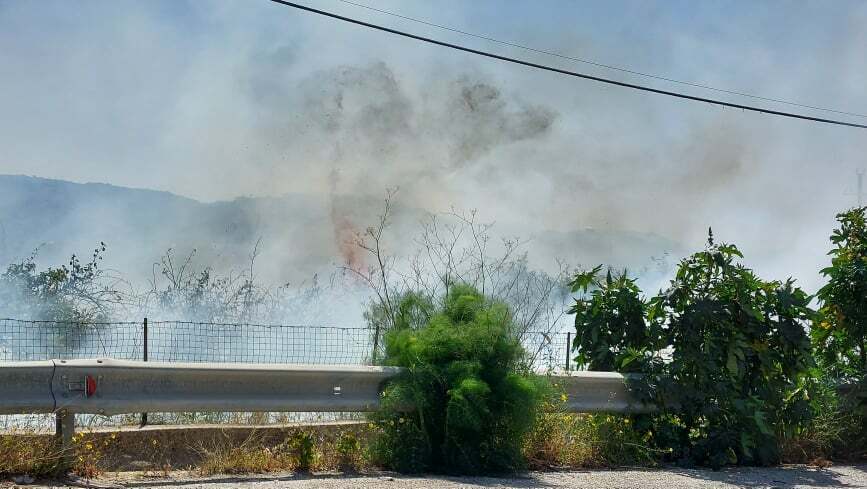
(672, 478)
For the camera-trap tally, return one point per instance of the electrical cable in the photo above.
(567, 72)
(601, 65)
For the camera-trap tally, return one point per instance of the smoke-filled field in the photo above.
(264, 123)
(248, 172)
(293, 259)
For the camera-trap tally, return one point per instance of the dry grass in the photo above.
(208, 450)
(22, 453)
(39, 455)
(245, 460)
(832, 435)
(559, 440)
(571, 440)
(300, 450)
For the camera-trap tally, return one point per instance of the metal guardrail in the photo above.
(25, 387)
(107, 387)
(119, 387)
(110, 387)
(591, 392)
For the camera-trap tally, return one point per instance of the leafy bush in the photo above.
(473, 404)
(740, 358)
(727, 355)
(303, 445)
(349, 454)
(840, 331)
(610, 324)
(833, 433)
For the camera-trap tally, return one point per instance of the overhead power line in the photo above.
(566, 72)
(601, 65)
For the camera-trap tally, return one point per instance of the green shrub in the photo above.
(835, 432)
(611, 331)
(473, 405)
(303, 445)
(348, 450)
(727, 356)
(840, 331)
(740, 359)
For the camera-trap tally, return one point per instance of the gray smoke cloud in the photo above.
(367, 130)
(366, 122)
(218, 102)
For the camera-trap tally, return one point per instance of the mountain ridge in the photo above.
(299, 232)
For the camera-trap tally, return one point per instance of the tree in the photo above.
(740, 358)
(611, 331)
(473, 401)
(726, 354)
(455, 248)
(840, 333)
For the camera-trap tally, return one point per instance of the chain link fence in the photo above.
(185, 341)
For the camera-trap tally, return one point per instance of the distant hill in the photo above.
(300, 234)
(138, 226)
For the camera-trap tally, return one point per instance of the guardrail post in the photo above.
(144, 416)
(64, 431)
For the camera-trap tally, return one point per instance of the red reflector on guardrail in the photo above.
(90, 386)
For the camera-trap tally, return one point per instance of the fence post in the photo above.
(144, 416)
(64, 430)
(568, 348)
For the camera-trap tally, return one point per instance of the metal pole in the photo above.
(860, 174)
(144, 416)
(568, 348)
(64, 426)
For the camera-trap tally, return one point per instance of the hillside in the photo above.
(300, 233)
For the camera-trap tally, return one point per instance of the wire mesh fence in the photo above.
(184, 341)
(258, 343)
(22, 340)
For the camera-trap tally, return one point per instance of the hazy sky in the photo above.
(218, 99)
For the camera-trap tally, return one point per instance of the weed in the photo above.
(569, 440)
(302, 444)
(348, 450)
(250, 456)
(37, 456)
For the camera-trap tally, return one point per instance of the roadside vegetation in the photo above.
(725, 353)
(743, 370)
(39, 455)
(474, 401)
